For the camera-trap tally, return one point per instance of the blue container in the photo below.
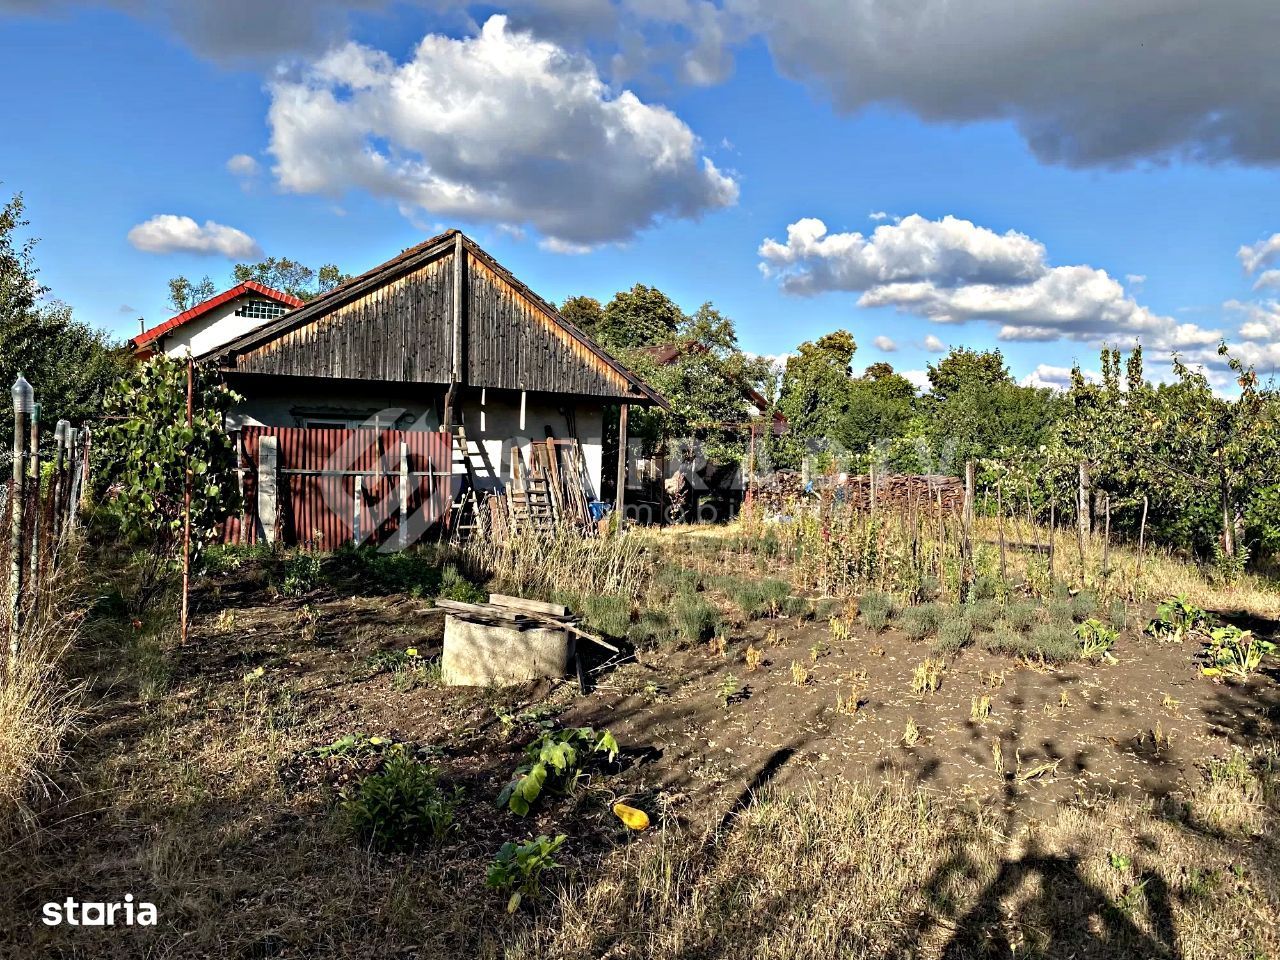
(599, 509)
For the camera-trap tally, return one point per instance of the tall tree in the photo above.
(963, 366)
(585, 313)
(278, 273)
(185, 294)
(69, 363)
(639, 317)
(815, 393)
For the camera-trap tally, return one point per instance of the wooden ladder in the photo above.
(464, 516)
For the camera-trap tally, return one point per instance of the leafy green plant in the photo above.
(301, 573)
(519, 867)
(1176, 618)
(401, 806)
(454, 586)
(352, 745)
(875, 607)
(146, 449)
(608, 613)
(554, 760)
(730, 689)
(1054, 643)
(1232, 652)
(1096, 640)
(1084, 604)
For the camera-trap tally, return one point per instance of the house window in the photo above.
(322, 423)
(260, 310)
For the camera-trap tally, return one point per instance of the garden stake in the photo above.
(23, 404)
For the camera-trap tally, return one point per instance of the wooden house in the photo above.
(441, 338)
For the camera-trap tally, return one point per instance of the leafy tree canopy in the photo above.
(585, 313)
(278, 273)
(963, 366)
(639, 317)
(69, 363)
(815, 394)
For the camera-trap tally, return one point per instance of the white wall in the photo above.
(212, 330)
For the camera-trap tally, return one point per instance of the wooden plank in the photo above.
(534, 606)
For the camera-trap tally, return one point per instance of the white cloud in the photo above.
(1056, 378)
(884, 343)
(933, 344)
(242, 165)
(919, 378)
(1254, 256)
(502, 128)
(953, 271)
(169, 233)
(877, 215)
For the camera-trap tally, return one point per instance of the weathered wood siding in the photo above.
(512, 343)
(399, 332)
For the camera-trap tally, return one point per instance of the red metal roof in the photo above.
(145, 341)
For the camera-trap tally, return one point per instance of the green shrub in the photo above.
(921, 620)
(1232, 652)
(401, 806)
(652, 629)
(1054, 643)
(1083, 605)
(695, 618)
(824, 608)
(1004, 639)
(985, 586)
(1060, 612)
(953, 634)
(1021, 614)
(301, 573)
(982, 613)
(608, 613)
(1096, 640)
(874, 609)
(1118, 614)
(454, 586)
(675, 579)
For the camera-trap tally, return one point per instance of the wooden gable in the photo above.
(403, 321)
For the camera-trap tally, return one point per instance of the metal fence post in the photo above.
(33, 477)
(268, 501)
(23, 408)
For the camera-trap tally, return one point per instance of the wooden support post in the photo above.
(402, 530)
(73, 480)
(268, 487)
(1142, 536)
(1004, 572)
(23, 403)
(970, 485)
(184, 621)
(620, 498)
(1052, 523)
(458, 367)
(57, 487)
(1106, 535)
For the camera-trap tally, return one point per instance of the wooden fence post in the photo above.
(23, 403)
(620, 498)
(970, 483)
(184, 621)
(57, 489)
(1004, 573)
(1106, 535)
(1052, 524)
(268, 493)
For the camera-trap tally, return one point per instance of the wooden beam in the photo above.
(620, 497)
(457, 372)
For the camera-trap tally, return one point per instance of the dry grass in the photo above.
(38, 705)
(856, 871)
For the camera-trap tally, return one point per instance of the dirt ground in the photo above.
(226, 765)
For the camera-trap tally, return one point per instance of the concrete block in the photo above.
(490, 655)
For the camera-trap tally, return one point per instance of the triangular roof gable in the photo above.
(394, 323)
(248, 287)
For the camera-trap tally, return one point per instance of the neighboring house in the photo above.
(217, 321)
(439, 337)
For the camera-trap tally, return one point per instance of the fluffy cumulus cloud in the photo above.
(169, 233)
(1259, 261)
(501, 127)
(953, 271)
(933, 344)
(884, 343)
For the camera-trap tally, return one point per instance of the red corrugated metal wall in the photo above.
(318, 473)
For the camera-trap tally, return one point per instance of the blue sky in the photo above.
(120, 117)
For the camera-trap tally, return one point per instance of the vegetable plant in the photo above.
(1176, 618)
(519, 867)
(1096, 640)
(1233, 652)
(555, 760)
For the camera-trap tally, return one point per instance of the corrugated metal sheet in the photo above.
(318, 474)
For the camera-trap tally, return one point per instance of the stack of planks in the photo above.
(550, 492)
